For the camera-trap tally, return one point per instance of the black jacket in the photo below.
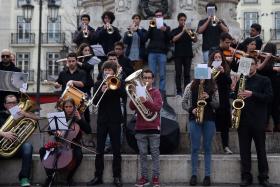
(109, 110)
(159, 40)
(79, 38)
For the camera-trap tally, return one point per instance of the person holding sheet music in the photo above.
(71, 113)
(85, 33)
(83, 64)
(26, 149)
(6, 64)
(206, 129)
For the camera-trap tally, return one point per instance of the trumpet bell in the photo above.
(153, 23)
(113, 83)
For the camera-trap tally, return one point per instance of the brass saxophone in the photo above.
(238, 103)
(201, 103)
(22, 127)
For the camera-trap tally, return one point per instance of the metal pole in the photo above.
(39, 57)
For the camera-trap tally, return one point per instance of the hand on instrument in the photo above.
(142, 99)
(58, 133)
(22, 113)
(194, 111)
(245, 94)
(104, 88)
(234, 80)
(221, 69)
(9, 135)
(70, 83)
(77, 115)
(163, 28)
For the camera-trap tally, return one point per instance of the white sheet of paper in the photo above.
(159, 22)
(216, 64)
(94, 60)
(15, 112)
(202, 65)
(141, 91)
(211, 11)
(98, 50)
(244, 66)
(202, 72)
(61, 121)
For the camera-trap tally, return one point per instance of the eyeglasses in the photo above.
(147, 77)
(158, 15)
(5, 56)
(11, 103)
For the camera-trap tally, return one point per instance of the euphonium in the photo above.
(132, 81)
(22, 127)
(238, 103)
(201, 103)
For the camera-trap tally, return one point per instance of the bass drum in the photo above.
(169, 135)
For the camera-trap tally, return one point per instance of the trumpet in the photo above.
(190, 33)
(85, 31)
(215, 21)
(153, 23)
(215, 73)
(130, 30)
(109, 28)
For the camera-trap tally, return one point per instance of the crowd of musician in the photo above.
(208, 102)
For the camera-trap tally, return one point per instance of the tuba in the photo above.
(238, 104)
(132, 81)
(201, 103)
(22, 127)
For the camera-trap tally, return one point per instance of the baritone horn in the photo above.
(132, 81)
(22, 127)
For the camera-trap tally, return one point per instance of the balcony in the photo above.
(22, 39)
(53, 38)
(47, 75)
(30, 75)
(275, 35)
(246, 34)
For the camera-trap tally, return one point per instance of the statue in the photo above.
(148, 7)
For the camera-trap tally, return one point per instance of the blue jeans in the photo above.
(207, 130)
(158, 59)
(205, 56)
(25, 152)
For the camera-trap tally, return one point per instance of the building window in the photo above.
(277, 25)
(20, 3)
(54, 30)
(23, 61)
(249, 19)
(53, 68)
(276, 1)
(23, 30)
(79, 3)
(250, 1)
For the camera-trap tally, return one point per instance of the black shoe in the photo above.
(95, 181)
(206, 181)
(193, 181)
(265, 183)
(246, 182)
(118, 181)
(47, 182)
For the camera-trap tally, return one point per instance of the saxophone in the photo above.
(201, 103)
(238, 103)
(22, 127)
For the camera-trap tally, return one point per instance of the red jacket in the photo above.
(154, 106)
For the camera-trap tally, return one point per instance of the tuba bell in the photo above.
(22, 127)
(132, 81)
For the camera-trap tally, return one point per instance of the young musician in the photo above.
(206, 129)
(210, 33)
(157, 49)
(256, 95)
(26, 149)
(183, 51)
(83, 64)
(223, 112)
(85, 33)
(6, 64)
(255, 32)
(135, 39)
(72, 114)
(72, 75)
(109, 120)
(123, 60)
(148, 133)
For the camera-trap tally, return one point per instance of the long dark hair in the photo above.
(209, 86)
(71, 101)
(224, 62)
(81, 48)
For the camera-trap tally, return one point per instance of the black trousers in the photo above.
(247, 133)
(114, 130)
(77, 154)
(181, 62)
(223, 123)
(274, 105)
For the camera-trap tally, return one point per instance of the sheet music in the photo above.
(159, 22)
(15, 112)
(141, 91)
(244, 66)
(94, 60)
(211, 11)
(98, 50)
(61, 121)
(216, 63)
(202, 71)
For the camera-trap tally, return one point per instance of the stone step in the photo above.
(174, 169)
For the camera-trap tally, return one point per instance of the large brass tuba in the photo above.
(238, 103)
(132, 81)
(22, 127)
(201, 103)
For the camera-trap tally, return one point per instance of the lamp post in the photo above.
(28, 10)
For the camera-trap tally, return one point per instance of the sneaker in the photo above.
(142, 182)
(155, 181)
(24, 182)
(193, 181)
(228, 151)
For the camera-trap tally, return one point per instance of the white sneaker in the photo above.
(228, 151)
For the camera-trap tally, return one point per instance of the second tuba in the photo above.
(22, 127)
(132, 81)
